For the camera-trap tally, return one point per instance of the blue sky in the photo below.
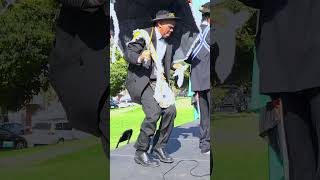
(196, 4)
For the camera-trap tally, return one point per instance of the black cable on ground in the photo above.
(194, 175)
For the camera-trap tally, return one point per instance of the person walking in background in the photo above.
(200, 77)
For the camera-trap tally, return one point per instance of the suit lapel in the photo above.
(154, 39)
(167, 60)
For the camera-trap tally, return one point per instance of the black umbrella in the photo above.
(137, 14)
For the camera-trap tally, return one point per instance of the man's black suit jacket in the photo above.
(139, 74)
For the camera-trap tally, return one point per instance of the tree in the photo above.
(26, 36)
(118, 74)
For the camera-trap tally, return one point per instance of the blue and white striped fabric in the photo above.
(202, 42)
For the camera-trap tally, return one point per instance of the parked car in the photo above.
(126, 104)
(123, 105)
(113, 104)
(16, 128)
(53, 131)
(10, 140)
(236, 100)
(126, 99)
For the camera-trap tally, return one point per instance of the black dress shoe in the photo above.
(162, 155)
(143, 159)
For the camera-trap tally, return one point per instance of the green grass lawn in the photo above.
(239, 153)
(88, 162)
(83, 164)
(39, 149)
(132, 117)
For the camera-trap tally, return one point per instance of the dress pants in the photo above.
(153, 112)
(204, 102)
(301, 112)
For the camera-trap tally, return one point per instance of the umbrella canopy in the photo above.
(137, 14)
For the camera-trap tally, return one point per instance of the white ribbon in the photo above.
(115, 39)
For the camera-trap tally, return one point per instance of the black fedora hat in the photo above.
(205, 8)
(165, 15)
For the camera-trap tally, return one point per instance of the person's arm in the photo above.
(189, 61)
(134, 52)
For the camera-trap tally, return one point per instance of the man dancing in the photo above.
(141, 85)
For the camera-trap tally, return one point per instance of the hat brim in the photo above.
(204, 11)
(166, 18)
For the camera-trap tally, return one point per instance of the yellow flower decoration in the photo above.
(171, 15)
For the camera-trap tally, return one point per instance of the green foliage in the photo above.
(242, 72)
(118, 74)
(218, 94)
(2, 5)
(26, 36)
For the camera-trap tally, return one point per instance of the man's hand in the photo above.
(145, 56)
(164, 78)
(177, 66)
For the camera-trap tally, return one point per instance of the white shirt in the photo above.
(161, 47)
(205, 23)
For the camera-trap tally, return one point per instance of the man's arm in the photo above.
(134, 51)
(189, 61)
